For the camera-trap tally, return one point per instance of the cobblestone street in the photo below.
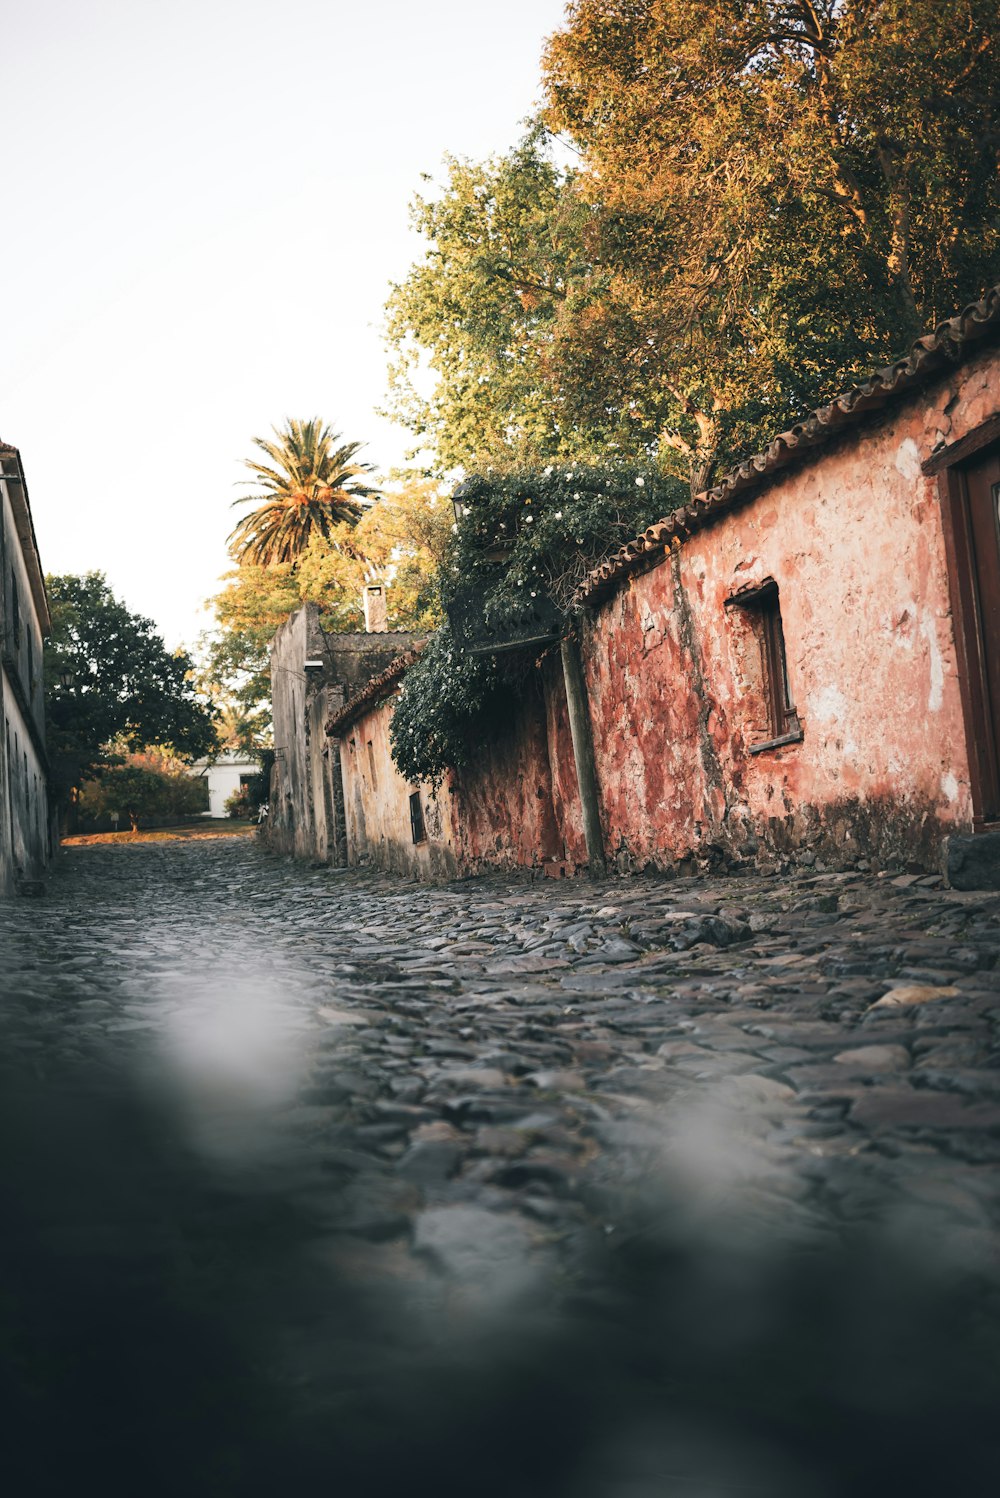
(600, 1189)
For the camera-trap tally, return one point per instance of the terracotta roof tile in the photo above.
(378, 688)
(951, 343)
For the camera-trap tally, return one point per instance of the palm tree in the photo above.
(313, 486)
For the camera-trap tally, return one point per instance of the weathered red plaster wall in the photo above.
(854, 542)
(559, 742)
(505, 806)
(506, 812)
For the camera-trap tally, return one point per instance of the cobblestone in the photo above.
(470, 1104)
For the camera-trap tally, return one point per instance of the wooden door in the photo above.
(980, 501)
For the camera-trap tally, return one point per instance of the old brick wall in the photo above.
(854, 541)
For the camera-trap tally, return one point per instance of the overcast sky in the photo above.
(204, 204)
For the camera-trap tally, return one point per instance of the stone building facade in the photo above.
(803, 663)
(26, 836)
(312, 675)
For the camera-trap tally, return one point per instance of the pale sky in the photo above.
(204, 204)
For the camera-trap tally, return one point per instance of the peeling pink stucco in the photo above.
(677, 685)
(517, 807)
(854, 542)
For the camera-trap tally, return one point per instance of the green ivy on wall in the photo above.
(524, 536)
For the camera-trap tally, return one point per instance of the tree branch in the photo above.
(525, 283)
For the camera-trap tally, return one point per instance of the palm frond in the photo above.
(314, 486)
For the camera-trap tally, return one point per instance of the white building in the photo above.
(25, 834)
(224, 775)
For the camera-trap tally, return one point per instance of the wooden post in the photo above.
(583, 750)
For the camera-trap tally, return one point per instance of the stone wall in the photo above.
(518, 807)
(306, 817)
(877, 771)
(854, 542)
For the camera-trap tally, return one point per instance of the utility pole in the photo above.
(583, 749)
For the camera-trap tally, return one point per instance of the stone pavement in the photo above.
(709, 1166)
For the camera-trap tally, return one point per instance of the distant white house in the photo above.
(224, 775)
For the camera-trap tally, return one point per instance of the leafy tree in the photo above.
(401, 538)
(505, 241)
(785, 192)
(126, 686)
(313, 487)
(238, 730)
(235, 672)
(149, 786)
(532, 532)
(767, 200)
(402, 541)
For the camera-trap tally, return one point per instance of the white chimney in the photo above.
(376, 614)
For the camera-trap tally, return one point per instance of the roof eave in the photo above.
(951, 344)
(12, 473)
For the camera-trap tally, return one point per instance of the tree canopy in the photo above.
(148, 786)
(313, 487)
(788, 191)
(126, 686)
(765, 202)
(480, 311)
(401, 538)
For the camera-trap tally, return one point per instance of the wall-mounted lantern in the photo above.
(313, 667)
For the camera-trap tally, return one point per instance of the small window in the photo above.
(417, 819)
(761, 608)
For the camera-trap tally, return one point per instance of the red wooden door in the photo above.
(982, 513)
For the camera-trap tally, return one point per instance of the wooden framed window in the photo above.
(761, 609)
(417, 828)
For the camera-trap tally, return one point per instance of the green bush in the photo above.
(528, 531)
(238, 804)
(449, 702)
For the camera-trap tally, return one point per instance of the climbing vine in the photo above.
(524, 537)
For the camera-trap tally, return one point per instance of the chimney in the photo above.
(376, 615)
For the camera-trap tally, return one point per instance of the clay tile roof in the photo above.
(378, 688)
(951, 343)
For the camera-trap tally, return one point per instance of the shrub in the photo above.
(238, 804)
(448, 703)
(528, 531)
